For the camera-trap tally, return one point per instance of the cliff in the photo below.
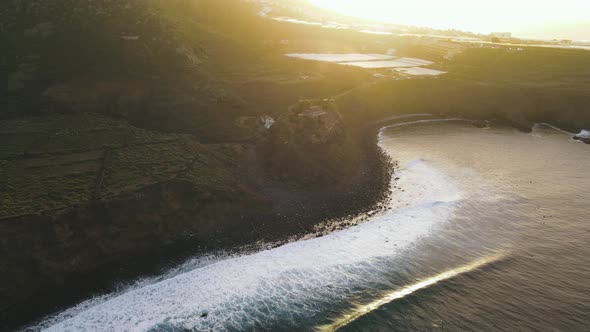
(120, 143)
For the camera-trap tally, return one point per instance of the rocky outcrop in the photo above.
(131, 195)
(583, 136)
(481, 124)
(309, 146)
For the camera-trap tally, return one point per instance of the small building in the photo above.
(266, 120)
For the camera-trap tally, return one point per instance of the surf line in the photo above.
(407, 290)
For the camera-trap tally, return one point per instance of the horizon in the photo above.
(544, 19)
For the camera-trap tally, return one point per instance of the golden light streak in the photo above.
(401, 293)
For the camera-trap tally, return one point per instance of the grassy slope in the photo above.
(103, 155)
(54, 162)
(537, 84)
(225, 62)
(197, 66)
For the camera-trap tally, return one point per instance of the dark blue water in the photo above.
(528, 194)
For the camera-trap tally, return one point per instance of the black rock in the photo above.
(582, 139)
(481, 124)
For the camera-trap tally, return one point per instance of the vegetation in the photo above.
(127, 125)
(525, 66)
(54, 162)
(122, 93)
(531, 85)
(83, 78)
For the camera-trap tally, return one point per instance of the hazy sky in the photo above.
(525, 18)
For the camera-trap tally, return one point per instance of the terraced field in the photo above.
(47, 164)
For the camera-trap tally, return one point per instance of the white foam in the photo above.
(584, 134)
(250, 292)
(382, 137)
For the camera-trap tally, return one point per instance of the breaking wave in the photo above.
(294, 283)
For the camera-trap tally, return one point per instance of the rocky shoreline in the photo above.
(232, 227)
(121, 163)
(583, 136)
(237, 231)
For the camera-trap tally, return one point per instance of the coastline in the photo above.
(333, 209)
(84, 317)
(124, 167)
(330, 210)
(213, 295)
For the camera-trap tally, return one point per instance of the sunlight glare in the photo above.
(483, 16)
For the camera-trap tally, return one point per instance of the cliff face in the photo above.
(309, 146)
(84, 195)
(119, 139)
(75, 248)
(83, 192)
